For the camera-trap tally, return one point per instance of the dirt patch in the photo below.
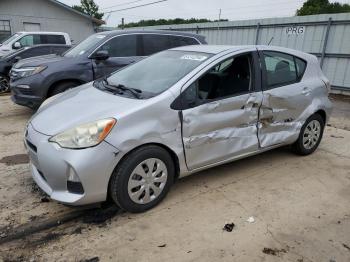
(9, 133)
(273, 251)
(100, 216)
(13, 160)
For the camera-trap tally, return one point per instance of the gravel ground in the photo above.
(300, 208)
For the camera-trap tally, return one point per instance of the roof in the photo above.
(94, 20)
(158, 32)
(212, 49)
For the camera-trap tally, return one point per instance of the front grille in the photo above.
(32, 147)
(26, 91)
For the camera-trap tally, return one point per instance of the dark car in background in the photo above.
(34, 80)
(7, 61)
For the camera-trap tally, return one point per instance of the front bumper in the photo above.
(33, 95)
(50, 166)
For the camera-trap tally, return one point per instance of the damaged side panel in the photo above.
(283, 112)
(219, 130)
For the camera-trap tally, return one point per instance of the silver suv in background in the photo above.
(24, 39)
(132, 134)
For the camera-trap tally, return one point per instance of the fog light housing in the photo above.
(73, 182)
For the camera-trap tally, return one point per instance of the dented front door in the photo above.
(221, 130)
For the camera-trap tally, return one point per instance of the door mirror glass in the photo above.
(17, 45)
(101, 55)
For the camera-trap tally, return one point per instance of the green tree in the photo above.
(89, 7)
(175, 21)
(314, 7)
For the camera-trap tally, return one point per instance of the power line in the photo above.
(126, 3)
(133, 7)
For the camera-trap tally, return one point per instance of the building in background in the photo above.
(45, 15)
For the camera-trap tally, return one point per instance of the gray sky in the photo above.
(230, 9)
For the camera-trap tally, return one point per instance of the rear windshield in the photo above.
(159, 72)
(84, 46)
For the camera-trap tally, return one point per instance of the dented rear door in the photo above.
(283, 103)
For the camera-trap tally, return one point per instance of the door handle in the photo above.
(306, 91)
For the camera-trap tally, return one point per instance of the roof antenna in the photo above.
(270, 41)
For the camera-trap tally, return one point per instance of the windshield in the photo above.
(84, 46)
(158, 72)
(11, 38)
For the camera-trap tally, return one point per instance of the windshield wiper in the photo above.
(135, 92)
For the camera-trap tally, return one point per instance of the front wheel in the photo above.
(310, 135)
(142, 179)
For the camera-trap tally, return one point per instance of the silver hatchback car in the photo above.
(129, 136)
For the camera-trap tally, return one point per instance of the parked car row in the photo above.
(8, 60)
(34, 80)
(25, 39)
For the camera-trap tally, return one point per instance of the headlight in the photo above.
(86, 135)
(28, 71)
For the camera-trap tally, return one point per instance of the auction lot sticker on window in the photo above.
(295, 30)
(194, 57)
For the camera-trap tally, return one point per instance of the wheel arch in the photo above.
(323, 114)
(58, 82)
(173, 155)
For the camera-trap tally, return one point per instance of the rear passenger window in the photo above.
(280, 69)
(154, 43)
(121, 46)
(52, 39)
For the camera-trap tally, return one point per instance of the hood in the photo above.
(41, 60)
(80, 105)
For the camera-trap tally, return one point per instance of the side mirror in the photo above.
(17, 58)
(17, 45)
(101, 55)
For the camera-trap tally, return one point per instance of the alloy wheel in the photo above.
(311, 134)
(147, 181)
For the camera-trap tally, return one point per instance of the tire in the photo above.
(313, 131)
(131, 178)
(4, 84)
(62, 87)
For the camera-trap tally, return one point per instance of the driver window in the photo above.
(229, 78)
(121, 46)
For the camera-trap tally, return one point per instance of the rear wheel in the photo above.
(310, 135)
(60, 88)
(142, 179)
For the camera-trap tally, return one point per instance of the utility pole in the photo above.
(220, 15)
(123, 23)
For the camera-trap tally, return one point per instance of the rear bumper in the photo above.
(51, 165)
